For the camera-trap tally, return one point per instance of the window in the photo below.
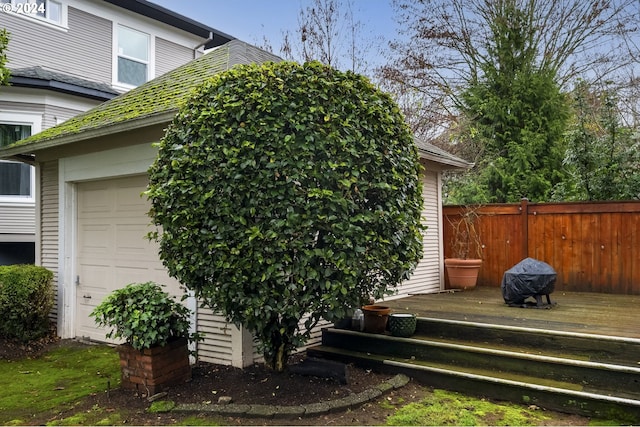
(45, 10)
(133, 56)
(15, 177)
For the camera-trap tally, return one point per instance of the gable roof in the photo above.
(154, 102)
(431, 152)
(158, 101)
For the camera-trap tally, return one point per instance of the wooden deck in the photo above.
(589, 313)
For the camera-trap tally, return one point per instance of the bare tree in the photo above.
(444, 45)
(329, 32)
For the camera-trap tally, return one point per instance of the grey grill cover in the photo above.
(527, 278)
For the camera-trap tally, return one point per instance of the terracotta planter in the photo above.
(462, 273)
(152, 370)
(375, 318)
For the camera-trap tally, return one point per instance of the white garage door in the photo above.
(112, 248)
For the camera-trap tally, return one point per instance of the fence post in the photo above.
(524, 212)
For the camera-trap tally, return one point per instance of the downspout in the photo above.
(195, 49)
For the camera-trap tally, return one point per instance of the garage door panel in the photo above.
(112, 247)
(95, 276)
(98, 201)
(96, 239)
(132, 240)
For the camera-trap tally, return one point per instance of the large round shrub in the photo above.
(284, 190)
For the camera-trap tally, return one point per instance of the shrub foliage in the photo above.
(143, 315)
(287, 191)
(26, 300)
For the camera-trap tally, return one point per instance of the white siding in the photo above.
(426, 277)
(84, 50)
(48, 248)
(224, 343)
(170, 55)
(18, 218)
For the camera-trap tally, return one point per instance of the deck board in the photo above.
(591, 313)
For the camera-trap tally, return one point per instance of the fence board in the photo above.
(594, 247)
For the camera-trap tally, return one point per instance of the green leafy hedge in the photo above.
(144, 315)
(284, 190)
(26, 299)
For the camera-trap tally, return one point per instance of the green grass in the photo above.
(55, 381)
(95, 417)
(444, 408)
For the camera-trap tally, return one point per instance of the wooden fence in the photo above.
(594, 247)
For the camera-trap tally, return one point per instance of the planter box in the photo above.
(153, 370)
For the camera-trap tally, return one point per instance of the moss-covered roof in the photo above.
(155, 99)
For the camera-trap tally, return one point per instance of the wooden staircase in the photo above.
(592, 375)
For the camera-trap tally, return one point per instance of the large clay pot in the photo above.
(375, 318)
(462, 273)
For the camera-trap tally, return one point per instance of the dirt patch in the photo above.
(15, 350)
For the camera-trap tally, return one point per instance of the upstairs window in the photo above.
(133, 56)
(44, 10)
(15, 177)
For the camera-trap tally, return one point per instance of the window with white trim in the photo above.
(132, 56)
(45, 10)
(17, 180)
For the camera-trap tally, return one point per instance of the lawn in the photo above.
(55, 381)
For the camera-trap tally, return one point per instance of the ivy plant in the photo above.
(287, 192)
(4, 71)
(144, 315)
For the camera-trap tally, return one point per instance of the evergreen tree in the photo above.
(516, 113)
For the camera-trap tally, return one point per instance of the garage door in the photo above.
(112, 248)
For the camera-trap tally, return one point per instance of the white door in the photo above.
(112, 248)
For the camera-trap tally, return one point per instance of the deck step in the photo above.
(594, 347)
(569, 372)
(554, 395)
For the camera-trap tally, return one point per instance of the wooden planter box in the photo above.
(152, 370)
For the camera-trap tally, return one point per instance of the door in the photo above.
(112, 249)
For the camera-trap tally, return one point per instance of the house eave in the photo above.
(141, 122)
(174, 19)
(61, 87)
(447, 163)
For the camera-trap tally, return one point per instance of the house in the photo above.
(92, 171)
(65, 57)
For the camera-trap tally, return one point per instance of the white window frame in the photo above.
(26, 119)
(150, 60)
(24, 12)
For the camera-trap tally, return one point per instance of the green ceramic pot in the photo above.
(402, 324)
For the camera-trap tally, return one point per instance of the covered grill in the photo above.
(529, 278)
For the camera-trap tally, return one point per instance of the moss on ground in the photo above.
(55, 381)
(449, 408)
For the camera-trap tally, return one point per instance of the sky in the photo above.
(253, 20)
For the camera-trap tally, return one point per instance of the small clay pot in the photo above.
(375, 318)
